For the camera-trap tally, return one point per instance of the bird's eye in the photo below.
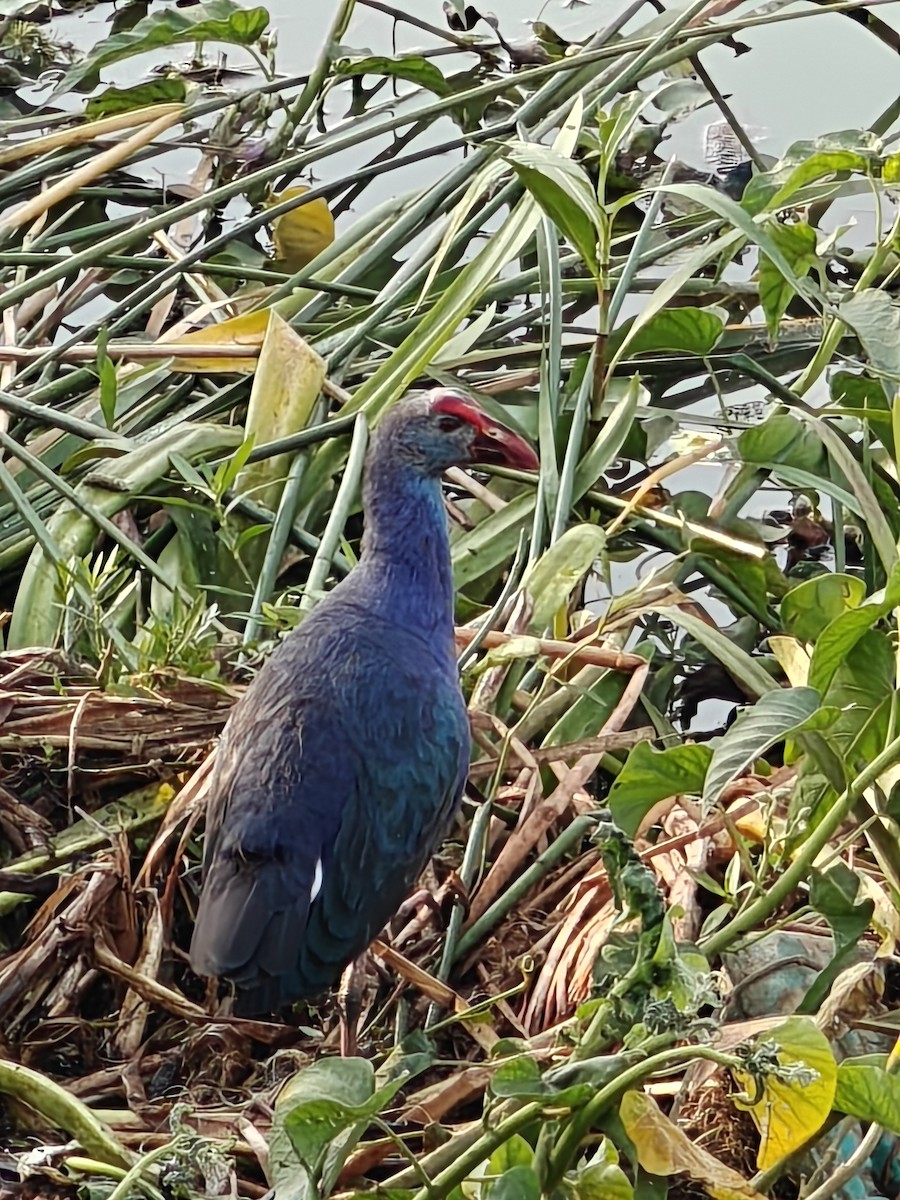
(448, 424)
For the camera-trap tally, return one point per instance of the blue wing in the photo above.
(335, 778)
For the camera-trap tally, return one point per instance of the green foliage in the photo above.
(777, 715)
(865, 1089)
(563, 190)
(797, 244)
(649, 776)
(170, 90)
(834, 894)
(215, 21)
(153, 511)
(411, 67)
(321, 1113)
(693, 331)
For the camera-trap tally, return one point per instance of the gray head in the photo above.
(442, 428)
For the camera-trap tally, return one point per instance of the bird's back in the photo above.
(337, 774)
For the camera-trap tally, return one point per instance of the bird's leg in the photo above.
(349, 998)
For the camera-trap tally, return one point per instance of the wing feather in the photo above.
(338, 771)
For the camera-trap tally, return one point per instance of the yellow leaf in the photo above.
(89, 131)
(249, 329)
(793, 658)
(663, 1149)
(96, 166)
(885, 918)
(288, 380)
(754, 825)
(303, 233)
(788, 1112)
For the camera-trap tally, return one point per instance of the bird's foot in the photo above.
(429, 906)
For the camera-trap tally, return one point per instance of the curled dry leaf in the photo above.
(663, 1149)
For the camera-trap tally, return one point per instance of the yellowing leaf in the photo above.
(793, 658)
(663, 1149)
(885, 918)
(90, 131)
(249, 329)
(303, 233)
(288, 380)
(754, 825)
(788, 1112)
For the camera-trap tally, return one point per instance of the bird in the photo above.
(340, 768)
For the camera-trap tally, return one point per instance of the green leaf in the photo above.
(783, 439)
(519, 1076)
(610, 439)
(809, 161)
(875, 318)
(321, 1113)
(518, 1183)
(109, 387)
(514, 1152)
(869, 1092)
(600, 1181)
(865, 398)
(559, 570)
(170, 90)
(772, 718)
(593, 1073)
(798, 245)
(321, 1101)
(652, 775)
(593, 694)
(811, 606)
(837, 641)
(832, 894)
(862, 687)
(564, 191)
(866, 503)
(724, 247)
(491, 542)
(36, 614)
(795, 451)
(686, 330)
(411, 67)
(757, 231)
(216, 21)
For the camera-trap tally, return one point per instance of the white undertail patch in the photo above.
(317, 881)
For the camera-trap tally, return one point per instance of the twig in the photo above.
(615, 660)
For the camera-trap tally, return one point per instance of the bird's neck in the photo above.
(406, 552)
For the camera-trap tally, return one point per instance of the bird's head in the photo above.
(443, 428)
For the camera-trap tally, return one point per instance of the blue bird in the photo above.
(341, 766)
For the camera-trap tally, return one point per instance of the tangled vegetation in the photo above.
(660, 961)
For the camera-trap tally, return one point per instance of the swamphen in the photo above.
(341, 766)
